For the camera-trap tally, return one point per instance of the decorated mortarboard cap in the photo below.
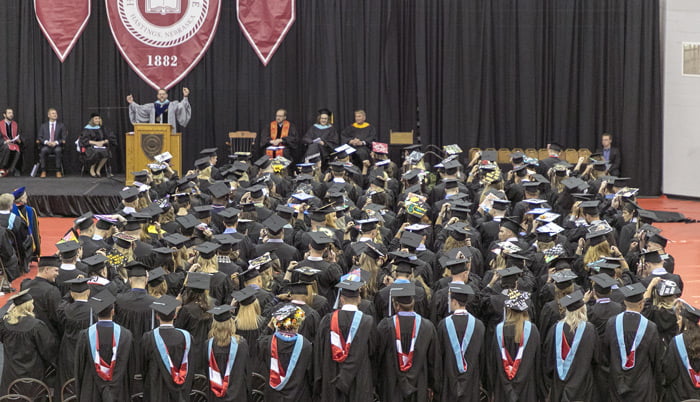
(667, 287)
(652, 256)
(101, 301)
(510, 271)
(245, 296)
(95, 263)
(410, 239)
(517, 301)
(602, 282)
(198, 280)
(218, 190)
(157, 168)
(207, 249)
(136, 269)
(287, 317)
(202, 163)
(403, 292)
(165, 305)
(176, 240)
(130, 194)
(68, 249)
(349, 288)
(307, 274)
(221, 313)
(49, 261)
(202, 211)
(274, 224)
(572, 301)
(456, 266)
(208, 151)
(156, 276)
(84, 221)
(634, 292)
(658, 239)
(564, 278)
(187, 221)
(124, 240)
(78, 284)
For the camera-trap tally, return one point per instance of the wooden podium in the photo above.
(148, 140)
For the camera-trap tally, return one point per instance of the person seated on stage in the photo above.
(11, 143)
(94, 140)
(162, 110)
(610, 154)
(52, 135)
(322, 137)
(359, 135)
(280, 133)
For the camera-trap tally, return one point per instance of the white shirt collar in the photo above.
(5, 212)
(67, 267)
(275, 240)
(349, 307)
(312, 258)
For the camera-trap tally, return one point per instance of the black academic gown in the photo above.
(352, 379)
(458, 386)
(678, 385)
(600, 312)
(238, 379)
(326, 279)
(159, 384)
(132, 311)
(639, 383)
(197, 322)
(411, 385)
(381, 302)
(526, 386)
(29, 348)
(579, 382)
(47, 298)
(66, 275)
(72, 319)
(298, 387)
(88, 385)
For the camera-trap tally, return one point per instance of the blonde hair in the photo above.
(370, 265)
(574, 318)
(158, 290)
(25, 309)
(664, 302)
(222, 331)
(180, 257)
(516, 319)
(205, 174)
(452, 243)
(595, 253)
(208, 265)
(248, 316)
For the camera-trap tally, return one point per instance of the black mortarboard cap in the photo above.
(49, 261)
(564, 278)
(510, 271)
(652, 256)
(501, 205)
(403, 292)
(84, 221)
(456, 266)
(136, 269)
(187, 221)
(221, 313)
(262, 162)
(229, 213)
(207, 249)
(460, 292)
(78, 284)
(219, 189)
(633, 293)
(130, 194)
(572, 301)
(101, 301)
(208, 151)
(226, 241)
(165, 305)
(176, 240)
(202, 163)
(156, 276)
(490, 156)
(244, 296)
(95, 263)
(349, 288)
(411, 239)
(511, 224)
(198, 280)
(274, 224)
(202, 211)
(689, 312)
(319, 240)
(68, 249)
(250, 274)
(603, 282)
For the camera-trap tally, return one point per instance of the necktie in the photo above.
(53, 130)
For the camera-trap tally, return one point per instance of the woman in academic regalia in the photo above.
(681, 362)
(227, 359)
(659, 302)
(194, 317)
(287, 358)
(322, 137)
(513, 362)
(95, 142)
(570, 352)
(250, 324)
(28, 344)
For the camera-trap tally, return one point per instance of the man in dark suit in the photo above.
(52, 136)
(610, 154)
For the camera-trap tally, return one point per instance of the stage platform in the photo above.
(69, 196)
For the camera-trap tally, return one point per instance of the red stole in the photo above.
(273, 136)
(8, 136)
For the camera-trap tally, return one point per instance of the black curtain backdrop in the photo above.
(486, 73)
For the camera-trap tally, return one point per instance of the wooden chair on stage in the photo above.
(585, 152)
(531, 153)
(571, 155)
(504, 155)
(241, 141)
(542, 153)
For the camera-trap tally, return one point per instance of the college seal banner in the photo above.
(62, 22)
(265, 23)
(162, 40)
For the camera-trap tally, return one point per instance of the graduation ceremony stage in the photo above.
(69, 196)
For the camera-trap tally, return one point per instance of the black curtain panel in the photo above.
(486, 73)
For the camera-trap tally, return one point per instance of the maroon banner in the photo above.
(162, 40)
(62, 22)
(265, 23)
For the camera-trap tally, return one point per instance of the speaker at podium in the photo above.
(148, 140)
